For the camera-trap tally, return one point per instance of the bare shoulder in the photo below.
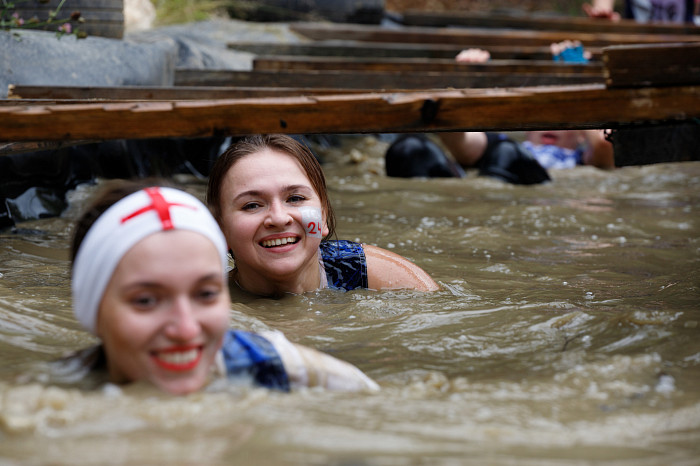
(388, 270)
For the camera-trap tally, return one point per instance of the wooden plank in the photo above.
(372, 80)
(539, 23)
(11, 148)
(17, 91)
(349, 48)
(403, 65)
(470, 110)
(652, 65)
(480, 37)
(16, 102)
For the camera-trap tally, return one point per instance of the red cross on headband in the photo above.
(161, 206)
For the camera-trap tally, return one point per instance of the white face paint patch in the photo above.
(313, 221)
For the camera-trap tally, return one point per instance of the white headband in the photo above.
(124, 224)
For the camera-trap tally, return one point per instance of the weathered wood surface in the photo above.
(426, 65)
(349, 48)
(652, 65)
(11, 148)
(589, 106)
(376, 81)
(56, 93)
(479, 37)
(539, 23)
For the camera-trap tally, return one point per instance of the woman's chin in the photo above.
(182, 386)
(181, 390)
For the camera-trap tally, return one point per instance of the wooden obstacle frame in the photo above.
(634, 79)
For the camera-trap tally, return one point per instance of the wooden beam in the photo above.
(424, 65)
(55, 93)
(540, 23)
(480, 37)
(349, 48)
(375, 81)
(652, 65)
(590, 106)
(12, 148)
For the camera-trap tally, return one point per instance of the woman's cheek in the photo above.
(312, 219)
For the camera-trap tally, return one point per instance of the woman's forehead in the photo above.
(173, 251)
(268, 166)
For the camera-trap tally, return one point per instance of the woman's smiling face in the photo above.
(165, 311)
(264, 227)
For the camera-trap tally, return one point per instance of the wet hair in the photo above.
(112, 192)
(258, 143)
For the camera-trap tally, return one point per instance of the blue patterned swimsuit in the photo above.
(345, 264)
(247, 354)
(551, 156)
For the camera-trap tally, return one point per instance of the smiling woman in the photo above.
(268, 193)
(149, 280)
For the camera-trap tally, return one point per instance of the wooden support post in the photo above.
(652, 65)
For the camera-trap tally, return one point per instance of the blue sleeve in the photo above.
(249, 354)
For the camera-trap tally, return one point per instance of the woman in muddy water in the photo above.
(149, 280)
(268, 193)
(565, 332)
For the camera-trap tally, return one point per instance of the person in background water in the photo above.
(149, 280)
(498, 156)
(645, 11)
(268, 193)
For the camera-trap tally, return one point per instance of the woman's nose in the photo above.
(278, 215)
(182, 323)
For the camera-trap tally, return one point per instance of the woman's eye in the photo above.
(144, 302)
(296, 198)
(209, 294)
(250, 206)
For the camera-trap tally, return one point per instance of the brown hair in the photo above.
(112, 192)
(257, 143)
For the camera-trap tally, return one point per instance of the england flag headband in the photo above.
(124, 224)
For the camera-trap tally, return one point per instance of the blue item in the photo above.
(571, 55)
(345, 264)
(551, 156)
(249, 354)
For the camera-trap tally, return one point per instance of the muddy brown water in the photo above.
(566, 332)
